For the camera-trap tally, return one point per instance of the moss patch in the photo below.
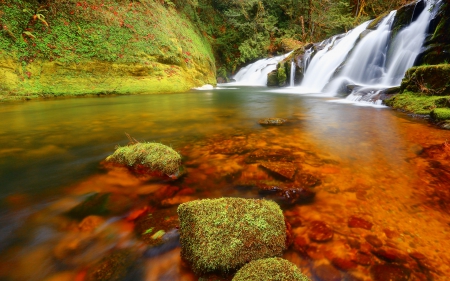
(224, 234)
(154, 156)
(417, 103)
(271, 269)
(439, 114)
(428, 80)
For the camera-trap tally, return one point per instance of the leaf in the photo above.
(148, 231)
(29, 34)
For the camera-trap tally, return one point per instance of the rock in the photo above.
(287, 194)
(357, 222)
(327, 272)
(224, 234)
(272, 79)
(374, 241)
(362, 259)
(391, 272)
(282, 170)
(148, 157)
(270, 155)
(343, 264)
(444, 125)
(100, 204)
(112, 267)
(274, 121)
(389, 254)
(320, 232)
(152, 227)
(274, 269)
(307, 180)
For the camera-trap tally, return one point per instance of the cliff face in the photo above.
(99, 47)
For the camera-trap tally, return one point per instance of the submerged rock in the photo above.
(221, 235)
(112, 267)
(275, 121)
(274, 269)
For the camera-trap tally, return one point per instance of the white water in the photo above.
(325, 62)
(255, 74)
(291, 80)
(373, 63)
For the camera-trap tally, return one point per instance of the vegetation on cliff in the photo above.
(100, 46)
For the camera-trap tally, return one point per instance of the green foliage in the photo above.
(224, 234)
(154, 156)
(281, 75)
(271, 269)
(439, 114)
(417, 103)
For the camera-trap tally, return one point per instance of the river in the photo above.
(373, 165)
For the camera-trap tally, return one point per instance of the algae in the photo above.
(271, 269)
(221, 235)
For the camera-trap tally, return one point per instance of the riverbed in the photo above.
(380, 182)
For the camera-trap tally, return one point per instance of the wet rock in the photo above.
(437, 151)
(271, 155)
(112, 267)
(307, 180)
(354, 243)
(390, 233)
(356, 222)
(270, 269)
(282, 170)
(343, 263)
(389, 254)
(391, 272)
(326, 272)
(374, 241)
(362, 259)
(320, 232)
(287, 194)
(274, 121)
(100, 204)
(152, 227)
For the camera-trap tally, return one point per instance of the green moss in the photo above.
(224, 234)
(440, 114)
(374, 24)
(427, 80)
(271, 269)
(417, 103)
(154, 156)
(281, 75)
(272, 78)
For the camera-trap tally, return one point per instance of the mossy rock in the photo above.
(281, 74)
(273, 121)
(271, 269)
(155, 157)
(272, 78)
(428, 80)
(100, 204)
(439, 114)
(221, 235)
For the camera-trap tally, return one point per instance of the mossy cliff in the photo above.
(99, 47)
(425, 89)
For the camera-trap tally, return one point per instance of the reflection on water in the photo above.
(368, 167)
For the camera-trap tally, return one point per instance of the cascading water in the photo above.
(255, 74)
(292, 76)
(325, 62)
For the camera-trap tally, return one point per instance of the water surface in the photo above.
(369, 162)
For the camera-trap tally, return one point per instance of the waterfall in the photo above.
(255, 74)
(325, 62)
(291, 83)
(307, 58)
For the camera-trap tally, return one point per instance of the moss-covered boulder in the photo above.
(221, 235)
(428, 79)
(272, 78)
(148, 157)
(417, 103)
(271, 269)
